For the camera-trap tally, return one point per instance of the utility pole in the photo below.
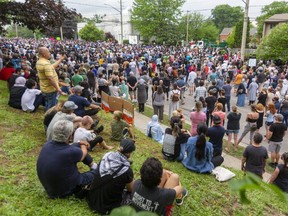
(244, 32)
(187, 29)
(121, 21)
(61, 32)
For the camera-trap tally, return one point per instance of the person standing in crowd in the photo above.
(199, 153)
(197, 116)
(103, 84)
(227, 88)
(275, 136)
(222, 99)
(157, 189)
(255, 157)
(210, 101)
(132, 84)
(233, 126)
(76, 78)
(141, 95)
(218, 111)
(251, 126)
(181, 87)
(260, 110)
(241, 92)
(271, 111)
(214, 89)
(284, 109)
(191, 82)
(123, 90)
(280, 175)
(154, 129)
(237, 81)
(252, 91)
(166, 85)
(200, 91)
(113, 175)
(262, 97)
(174, 97)
(57, 163)
(48, 77)
(114, 89)
(158, 99)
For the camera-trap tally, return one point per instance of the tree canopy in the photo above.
(158, 18)
(42, 15)
(234, 40)
(226, 16)
(275, 44)
(91, 33)
(277, 7)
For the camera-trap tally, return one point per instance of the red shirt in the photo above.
(6, 73)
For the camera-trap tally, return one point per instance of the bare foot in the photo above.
(109, 147)
(227, 150)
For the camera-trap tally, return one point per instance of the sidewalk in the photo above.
(141, 121)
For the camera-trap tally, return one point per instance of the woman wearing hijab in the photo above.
(16, 93)
(241, 92)
(154, 129)
(252, 91)
(141, 95)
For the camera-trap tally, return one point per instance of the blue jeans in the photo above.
(182, 152)
(228, 102)
(241, 100)
(285, 117)
(50, 100)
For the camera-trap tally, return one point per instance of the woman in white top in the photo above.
(174, 99)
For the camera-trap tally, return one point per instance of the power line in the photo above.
(84, 4)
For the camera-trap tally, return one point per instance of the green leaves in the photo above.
(129, 211)
(91, 33)
(253, 182)
(275, 44)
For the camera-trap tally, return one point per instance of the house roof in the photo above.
(226, 31)
(278, 18)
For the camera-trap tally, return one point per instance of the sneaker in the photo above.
(179, 201)
(99, 129)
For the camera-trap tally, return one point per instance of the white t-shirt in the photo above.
(114, 91)
(28, 98)
(192, 76)
(82, 134)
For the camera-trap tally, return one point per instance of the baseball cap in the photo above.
(78, 89)
(70, 105)
(127, 145)
(216, 119)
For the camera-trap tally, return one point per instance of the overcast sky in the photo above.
(90, 7)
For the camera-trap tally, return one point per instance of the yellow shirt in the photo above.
(238, 79)
(45, 69)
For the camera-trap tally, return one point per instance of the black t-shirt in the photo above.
(255, 157)
(181, 139)
(233, 121)
(216, 134)
(222, 100)
(151, 199)
(278, 130)
(210, 101)
(282, 179)
(109, 196)
(57, 168)
(132, 81)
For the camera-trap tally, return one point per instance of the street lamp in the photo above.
(121, 19)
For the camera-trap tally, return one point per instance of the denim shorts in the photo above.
(232, 131)
(268, 123)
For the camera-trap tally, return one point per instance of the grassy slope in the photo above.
(21, 138)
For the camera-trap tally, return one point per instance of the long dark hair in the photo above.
(159, 90)
(201, 141)
(176, 125)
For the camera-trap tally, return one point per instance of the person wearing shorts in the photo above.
(233, 127)
(275, 136)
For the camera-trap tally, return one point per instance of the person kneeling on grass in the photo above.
(255, 156)
(112, 176)
(57, 163)
(157, 189)
(118, 125)
(83, 134)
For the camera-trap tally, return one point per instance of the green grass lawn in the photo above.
(22, 136)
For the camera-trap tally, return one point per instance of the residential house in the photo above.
(271, 22)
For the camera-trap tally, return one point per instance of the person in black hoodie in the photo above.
(16, 93)
(233, 127)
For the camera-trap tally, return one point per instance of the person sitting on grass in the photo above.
(57, 163)
(255, 156)
(83, 103)
(32, 97)
(83, 134)
(17, 92)
(49, 114)
(154, 129)
(157, 189)
(66, 113)
(118, 125)
(280, 174)
(199, 153)
(113, 175)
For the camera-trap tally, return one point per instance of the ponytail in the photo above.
(176, 129)
(200, 146)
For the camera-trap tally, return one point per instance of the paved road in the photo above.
(189, 104)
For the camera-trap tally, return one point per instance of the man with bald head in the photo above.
(48, 77)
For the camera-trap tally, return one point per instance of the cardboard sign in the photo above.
(105, 102)
(115, 103)
(128, 112)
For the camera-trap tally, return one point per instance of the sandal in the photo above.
(226, 149)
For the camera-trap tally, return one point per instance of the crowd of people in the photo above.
(39, 72)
